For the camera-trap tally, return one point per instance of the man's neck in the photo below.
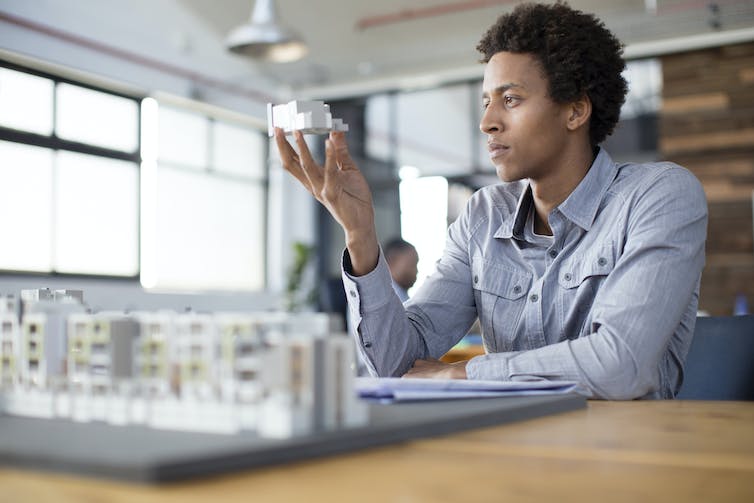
(548, 192)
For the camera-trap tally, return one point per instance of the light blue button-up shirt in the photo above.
(613, 308)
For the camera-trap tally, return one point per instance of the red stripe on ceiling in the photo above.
(135, 58)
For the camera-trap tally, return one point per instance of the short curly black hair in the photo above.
(578, 53)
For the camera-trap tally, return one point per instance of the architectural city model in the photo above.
(279, 374)
(309, 117)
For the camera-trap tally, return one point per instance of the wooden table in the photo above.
(458, 354)
(612, 451)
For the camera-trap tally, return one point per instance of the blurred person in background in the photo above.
(402, 260)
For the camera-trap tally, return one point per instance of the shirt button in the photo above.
(367, 344)
(534, 297)
(353, 293)
(476, 279)
(517, 289)
(602, 261)
(553, 253)
(567, 276)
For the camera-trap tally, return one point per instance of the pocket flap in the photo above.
(582, 266)
(498, 279)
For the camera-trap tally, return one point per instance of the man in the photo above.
(578, 268)
(402, 261)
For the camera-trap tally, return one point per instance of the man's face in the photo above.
(526, 131)
(403, 268)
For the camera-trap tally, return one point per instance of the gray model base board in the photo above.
(142, 454)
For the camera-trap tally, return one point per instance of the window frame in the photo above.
(54, 143)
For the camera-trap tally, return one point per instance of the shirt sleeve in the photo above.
(390, 335)
(640, 305)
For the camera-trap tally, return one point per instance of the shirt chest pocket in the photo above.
(500, 294)
(583, 266)
(580, 279)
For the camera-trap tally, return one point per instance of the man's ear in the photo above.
(579, 113)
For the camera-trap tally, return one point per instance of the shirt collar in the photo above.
(580, 206)
(513, 224)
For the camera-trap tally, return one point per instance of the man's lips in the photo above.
(496, 149)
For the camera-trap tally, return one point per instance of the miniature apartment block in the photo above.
(242, 352)
(309, 117)
(196, 356)
(10, 342)
(152, 358)
(100, 351)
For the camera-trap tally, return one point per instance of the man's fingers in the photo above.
(331, 166)
(331, 172)
(291, 161)
(287, 155)
(312, 171)
(341, 151)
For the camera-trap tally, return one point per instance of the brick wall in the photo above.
(707, 125)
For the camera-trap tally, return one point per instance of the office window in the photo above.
(435, 130)
(209, 232)
(26, 207)
(644, 96)
(378, 127)
(236, 151)
(96, 118)
(96, 215)
(69, 176)
(203, 215)
(182, 138)
(424, 212)
(183, 205)
(25, 102)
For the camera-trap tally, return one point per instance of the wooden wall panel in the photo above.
(707, 125)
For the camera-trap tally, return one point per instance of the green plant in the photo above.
(295, 298)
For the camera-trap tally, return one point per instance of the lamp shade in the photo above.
(264, 39)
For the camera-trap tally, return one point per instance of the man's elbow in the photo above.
(624, 383)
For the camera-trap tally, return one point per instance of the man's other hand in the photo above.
(435, 369)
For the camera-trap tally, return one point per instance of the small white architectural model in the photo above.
(309, 117)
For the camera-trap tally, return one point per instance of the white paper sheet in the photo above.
(397, 389)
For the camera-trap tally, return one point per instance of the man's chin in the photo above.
(507, 175)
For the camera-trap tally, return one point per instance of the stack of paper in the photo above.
(402, 389)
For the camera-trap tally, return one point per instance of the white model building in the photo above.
(309, 117)
(289, 380)
(10, 343)
(338, 405)
(152, 355)
(195, 352)
(100, 366)
(42, 371)
(242, 352)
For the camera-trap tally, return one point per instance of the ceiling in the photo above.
(359, 46)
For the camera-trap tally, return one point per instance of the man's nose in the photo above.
(490, 122)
